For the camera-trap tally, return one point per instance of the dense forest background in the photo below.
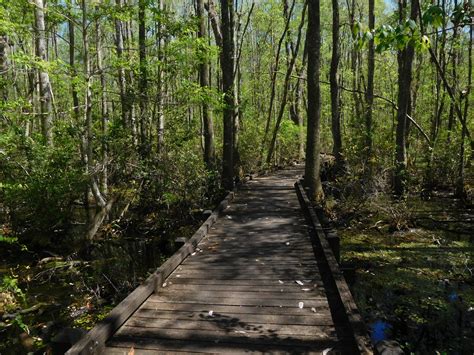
(131, 117)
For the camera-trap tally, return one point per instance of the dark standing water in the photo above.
(415, 285)
(77, 289)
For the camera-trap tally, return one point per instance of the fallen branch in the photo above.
(24, 311)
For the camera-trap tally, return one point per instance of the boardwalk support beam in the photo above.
(344, 304)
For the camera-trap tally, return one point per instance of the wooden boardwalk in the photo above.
(253, 284)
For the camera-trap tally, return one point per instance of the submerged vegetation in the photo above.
(413, 279)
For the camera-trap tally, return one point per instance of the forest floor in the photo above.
(414, 269)
(65, 283)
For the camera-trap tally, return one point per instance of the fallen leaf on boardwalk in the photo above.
(287, 243)
(313, 309)
(280, 281)
(240, 331)
(299, 282)
(192, 254)
(228, 217)
(211, 313)
(164, 285)
(178, 275)
(306, 289)
(326, 351)
(301, 305)
(131, 351)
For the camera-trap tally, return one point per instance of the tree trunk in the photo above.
(208, 125)
(369, 97)
(3, 67)
(274, 75)
(87, 140)
(143, 79)
(44, 82)
(460, 188)
(104, 108)
(286, 86)
(312, 177)
(160, 83)
(227, 66)
(121, 71)
(405, 61)
(335, 98)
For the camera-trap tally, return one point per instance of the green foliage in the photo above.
(10, 284)
(35, 178)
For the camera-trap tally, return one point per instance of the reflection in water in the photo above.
(379, 331)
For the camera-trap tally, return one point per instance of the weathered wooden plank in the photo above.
(239, 336)
(229, 275)
(219, 308)
(249, 269)
(222, 324)
(243, 295)
(257, 289)
(251, 262)
(235, 301)
(221, 347)
(242, 282)
(315, 318)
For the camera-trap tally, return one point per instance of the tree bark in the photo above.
(119, 44)
(369, 97)
(160, 99)
(104, 108)
(87, 140)
(312, 177)
(460, 188)
(44, 82)
(208, 124)
(335, 96)
(227, 67)
(3, 67)
(286, 86)
(274, 75)
(143, 79)
(405, 62)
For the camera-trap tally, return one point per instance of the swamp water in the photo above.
(415, 285)
(59, 297)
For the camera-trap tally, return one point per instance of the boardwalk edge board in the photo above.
(94, 341)
(344, 297)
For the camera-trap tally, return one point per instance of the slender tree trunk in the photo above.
(273, 80)
(298, 117)
(143, 79)
(88, 141)
(104, 108)
(121, 71)
(335, 96)
(405, 61)
(45, 95)
(460, 188)
(369, 97)
(161, 91)
(286, 87)
(227, 66)
(72, 64)
(312, 176)
(3, 68)
(208, 125)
